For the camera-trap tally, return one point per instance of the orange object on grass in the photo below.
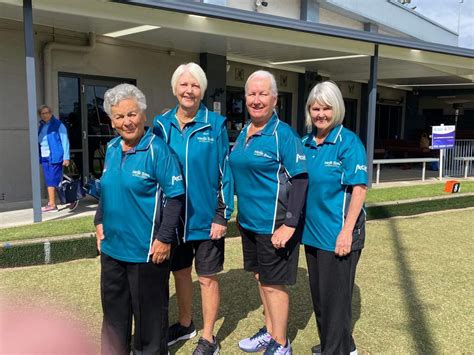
(452, 186)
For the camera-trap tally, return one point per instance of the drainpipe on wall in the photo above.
(48, 63)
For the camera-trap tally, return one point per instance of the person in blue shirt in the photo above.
(199, 139)
(334, 229)
(54, 153)
(142, 192)
(269, 168)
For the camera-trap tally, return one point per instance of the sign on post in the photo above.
(443, 137)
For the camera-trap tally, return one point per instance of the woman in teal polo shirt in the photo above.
(199, 139)
(335, 219)
(269, 169)
(140, 205)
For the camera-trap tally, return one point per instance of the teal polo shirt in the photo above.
(333, 167)
(133, 186)
(202, 148)
(262, 167)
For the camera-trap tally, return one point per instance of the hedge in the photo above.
(60, 250)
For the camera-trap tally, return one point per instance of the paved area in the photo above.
(395, 175)
(18, 215)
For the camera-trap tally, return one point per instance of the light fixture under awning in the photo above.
(435, 85)
(320, 59)
(130, 31)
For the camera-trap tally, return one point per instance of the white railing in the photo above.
(457, 160)
(467, 163)
(379, 162)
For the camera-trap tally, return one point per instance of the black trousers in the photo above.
(331, 279)
(139, 291)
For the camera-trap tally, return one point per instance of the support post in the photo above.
(440, 167)
(215, 67)
(309, 10)
(371, 111)
(32, 106)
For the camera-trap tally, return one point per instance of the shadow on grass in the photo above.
(419, 328)
(239, 297)
(356, 304)
(301, 306)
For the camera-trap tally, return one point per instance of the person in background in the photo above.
(199, 139)
(334, 229)
(269, 169)
(54, 154)
(142, 192)
(424, 142)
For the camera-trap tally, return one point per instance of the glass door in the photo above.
(70, 115)
(96, 125)
(350, 118)
(283, 107)
(81, 109)
(236, 112)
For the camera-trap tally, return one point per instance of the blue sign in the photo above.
(443, 137)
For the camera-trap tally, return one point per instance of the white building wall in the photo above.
(284, 8)
(15, 173)
(392, 33)
(395, 19)
(152, 69)
(393, 15)
(327, 17)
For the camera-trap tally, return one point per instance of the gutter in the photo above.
(259, 19)
(48, 63)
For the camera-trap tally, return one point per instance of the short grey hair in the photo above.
(263, 74)
(42, 107)
(328, 94)
(193, 69)
(122, 92)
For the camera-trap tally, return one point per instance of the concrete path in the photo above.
(23, 216)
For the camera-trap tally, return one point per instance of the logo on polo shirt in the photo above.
(205, 139)
(361, 168)
(176, 179)
(332, 164)
(300, 157)
(140, 174)
(259, 153)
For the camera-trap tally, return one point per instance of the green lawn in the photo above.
(414, 191)
(48, 229)
(85, 225)
(413, 291)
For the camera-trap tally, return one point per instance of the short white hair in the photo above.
(122, 92)
(326, 93)
(193, 69)
(263, 74)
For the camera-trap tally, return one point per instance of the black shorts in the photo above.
(274, 266)
(208, 255)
